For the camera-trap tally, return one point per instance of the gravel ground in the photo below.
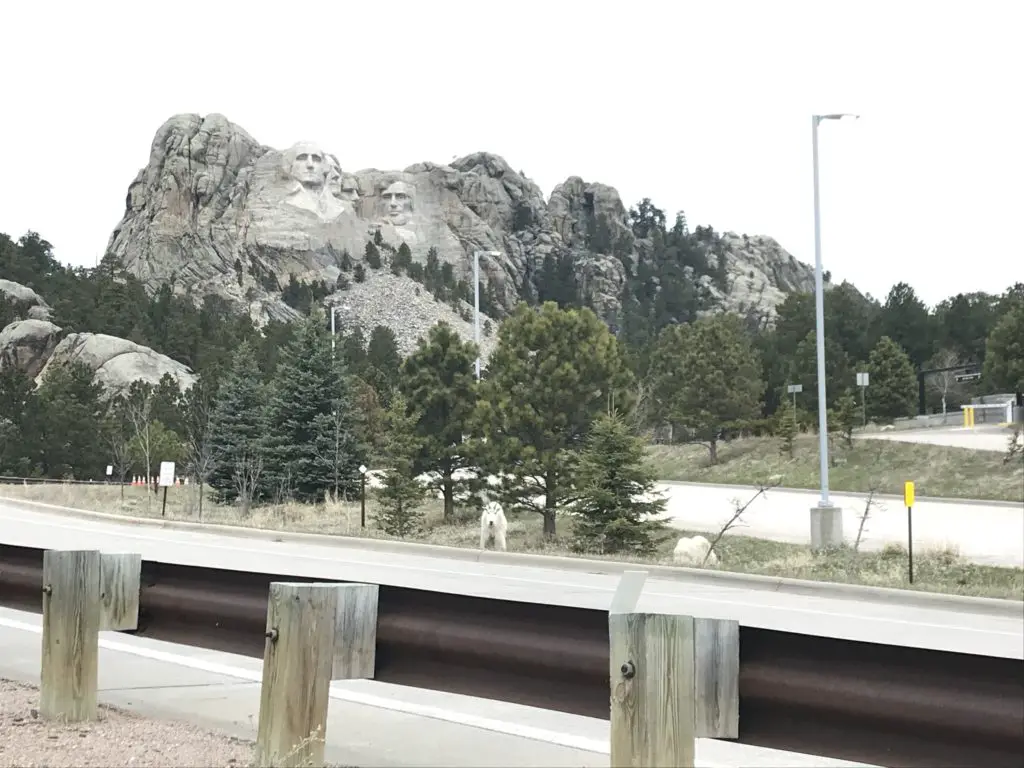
(117, 738)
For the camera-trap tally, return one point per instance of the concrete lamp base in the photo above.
(826, 527)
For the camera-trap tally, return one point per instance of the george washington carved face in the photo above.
(308, 164)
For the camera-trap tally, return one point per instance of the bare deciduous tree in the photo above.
(198, 440)
(246, 476)
(1015, 446)
(138, 405)
(871, 502)
(736, 520)
(944, 382)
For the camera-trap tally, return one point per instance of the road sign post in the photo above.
(166, 481)
(794, 390)
(862, 382)
(908, 501)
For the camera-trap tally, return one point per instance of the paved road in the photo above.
(882, 622)
(369, 723)
(987, 437)
(990, 533)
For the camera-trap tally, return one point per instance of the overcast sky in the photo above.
(701, 106)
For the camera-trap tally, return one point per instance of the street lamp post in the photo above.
(476, 303)
(826, 520)
(362, 495)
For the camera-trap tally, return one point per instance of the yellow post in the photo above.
(908, 493)
(908, 502)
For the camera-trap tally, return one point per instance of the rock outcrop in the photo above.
(24, 298)
(116, 362)
(215, 211)
(34, 346)
(26, 345)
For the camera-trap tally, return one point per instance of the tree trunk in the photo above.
(713, 451)
(550, 507)
(448, 489)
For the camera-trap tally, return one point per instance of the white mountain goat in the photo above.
(691, 550)
(493, 526)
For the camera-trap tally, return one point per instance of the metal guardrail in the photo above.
(881, 704)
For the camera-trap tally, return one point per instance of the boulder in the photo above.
(116, 362)
(26, 345)
(24, 298)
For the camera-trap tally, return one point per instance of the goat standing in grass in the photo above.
(493, 526)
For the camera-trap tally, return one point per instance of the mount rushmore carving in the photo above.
(215, 211)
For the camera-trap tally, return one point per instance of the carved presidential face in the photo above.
(398, 202)
(334, 176)
(309, 164)
(348, 188)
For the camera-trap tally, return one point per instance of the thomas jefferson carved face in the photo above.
(309, 164)
(398, 201)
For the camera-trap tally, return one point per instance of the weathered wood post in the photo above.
(315, 633)
(84, 591)
(120, 587)
(717, 678)
(651, 665)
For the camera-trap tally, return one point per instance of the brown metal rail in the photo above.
(888, 705)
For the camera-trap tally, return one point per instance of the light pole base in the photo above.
(826, 528)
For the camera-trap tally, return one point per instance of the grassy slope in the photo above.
(935, 469)
(934, 572)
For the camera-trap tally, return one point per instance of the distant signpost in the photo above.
(862, 382)
(166, 481)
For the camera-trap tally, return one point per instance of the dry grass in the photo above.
(937, 470)
(934, 571)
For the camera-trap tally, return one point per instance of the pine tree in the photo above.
(1004, 356)
(372, 255)
(68, 424)
(707, 377)
(307, 406)
(893, 383)
(846, 417)
(401, 494)
(786, 426)
(552, 374)
(236, 432)
(438, 377)
(612, 481)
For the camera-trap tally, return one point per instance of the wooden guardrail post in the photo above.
(355, 643)
(84, 592)
(120, 586)
(315, 633)
(652, 682)
(717, 678)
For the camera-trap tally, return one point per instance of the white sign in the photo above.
(862, 379)
(795, 389)
(166, 473)
(110, 470)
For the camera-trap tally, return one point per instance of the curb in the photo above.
(855, 494)
(962, 603)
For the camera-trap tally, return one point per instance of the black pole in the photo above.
(362, 500)
(920, 392)
(163, 511)
(910, 544)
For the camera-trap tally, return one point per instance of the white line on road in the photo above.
(599, 746)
